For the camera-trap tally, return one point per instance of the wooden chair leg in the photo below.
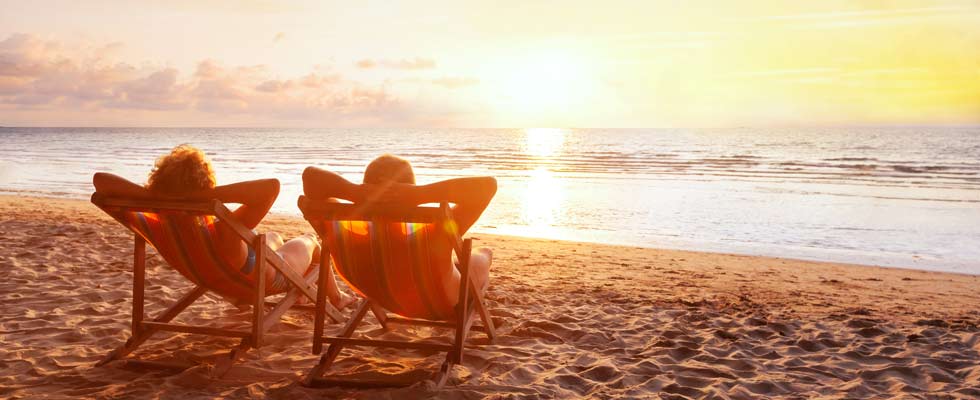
(258, 308)
(286, 303)
(323, 284)
(139, 282)
(443, 374)
(481, 307)
(327, 359)
(321, 301)
(380, 315)
(463, 303)
(144, 334)
(462, 331)
(224, 363)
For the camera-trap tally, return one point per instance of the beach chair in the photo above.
(156, 222)
(392, 275)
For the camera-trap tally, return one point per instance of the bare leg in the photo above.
(299, 254)
(480, 261)
(337, 298)
(273, 240)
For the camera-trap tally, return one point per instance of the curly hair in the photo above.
(389, 168)
(185, 169)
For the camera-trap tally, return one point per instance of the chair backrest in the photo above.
(183, 233)
(385, 253)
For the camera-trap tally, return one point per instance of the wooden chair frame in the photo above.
(262, 321)
(470, 302)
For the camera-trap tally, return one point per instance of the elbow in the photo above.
(97, 180)
(269, 193)
(490, 186)
(101, 181)
(309, 177)
(272, 185)
(309, 172)
(263, 191)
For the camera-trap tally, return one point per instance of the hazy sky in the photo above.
(497, 64)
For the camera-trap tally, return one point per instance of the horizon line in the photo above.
(855, 125)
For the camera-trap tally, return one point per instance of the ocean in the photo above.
(894, 196)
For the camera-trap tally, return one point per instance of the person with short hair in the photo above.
(390, 179)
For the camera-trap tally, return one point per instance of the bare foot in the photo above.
(342, 301)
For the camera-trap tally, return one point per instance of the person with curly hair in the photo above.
(185, 173)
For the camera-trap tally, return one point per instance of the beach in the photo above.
(575, 320)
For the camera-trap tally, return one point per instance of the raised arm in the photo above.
(256, 197)
(115, 185)
(470, 195)
(320, 184)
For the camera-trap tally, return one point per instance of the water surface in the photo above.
(907, 197)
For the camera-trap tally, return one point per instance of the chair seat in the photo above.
(185, 240)
(393, 263)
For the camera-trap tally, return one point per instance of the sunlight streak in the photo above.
(544, 142)
(543, 202)
(543, 197)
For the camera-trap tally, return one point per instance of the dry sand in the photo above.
(576, 320)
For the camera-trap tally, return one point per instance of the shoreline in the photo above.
(575, 320)
(694, 248)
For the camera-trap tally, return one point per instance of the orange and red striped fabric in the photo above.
(390, 263)
(185, 241)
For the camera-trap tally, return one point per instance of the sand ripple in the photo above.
(574, 322)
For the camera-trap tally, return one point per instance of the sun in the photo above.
(550, 82)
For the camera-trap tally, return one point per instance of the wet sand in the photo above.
(576, 320)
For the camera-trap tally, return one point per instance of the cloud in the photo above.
(448, 82)
(455, 82)
(39, 76)
(274, 86)
(316, 81)
(403, 64)
(365, 64)
(23, 55)
(157, 91)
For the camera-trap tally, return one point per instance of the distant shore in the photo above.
(577, 320)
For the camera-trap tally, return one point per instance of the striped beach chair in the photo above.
(182, 232)
(382, 252)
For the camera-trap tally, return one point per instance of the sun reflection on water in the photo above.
(543, 199)
(543, 196)
(544, 142)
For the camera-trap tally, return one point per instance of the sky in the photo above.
(615, 64)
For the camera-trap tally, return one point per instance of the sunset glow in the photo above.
(545, 83)
(306, 63)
